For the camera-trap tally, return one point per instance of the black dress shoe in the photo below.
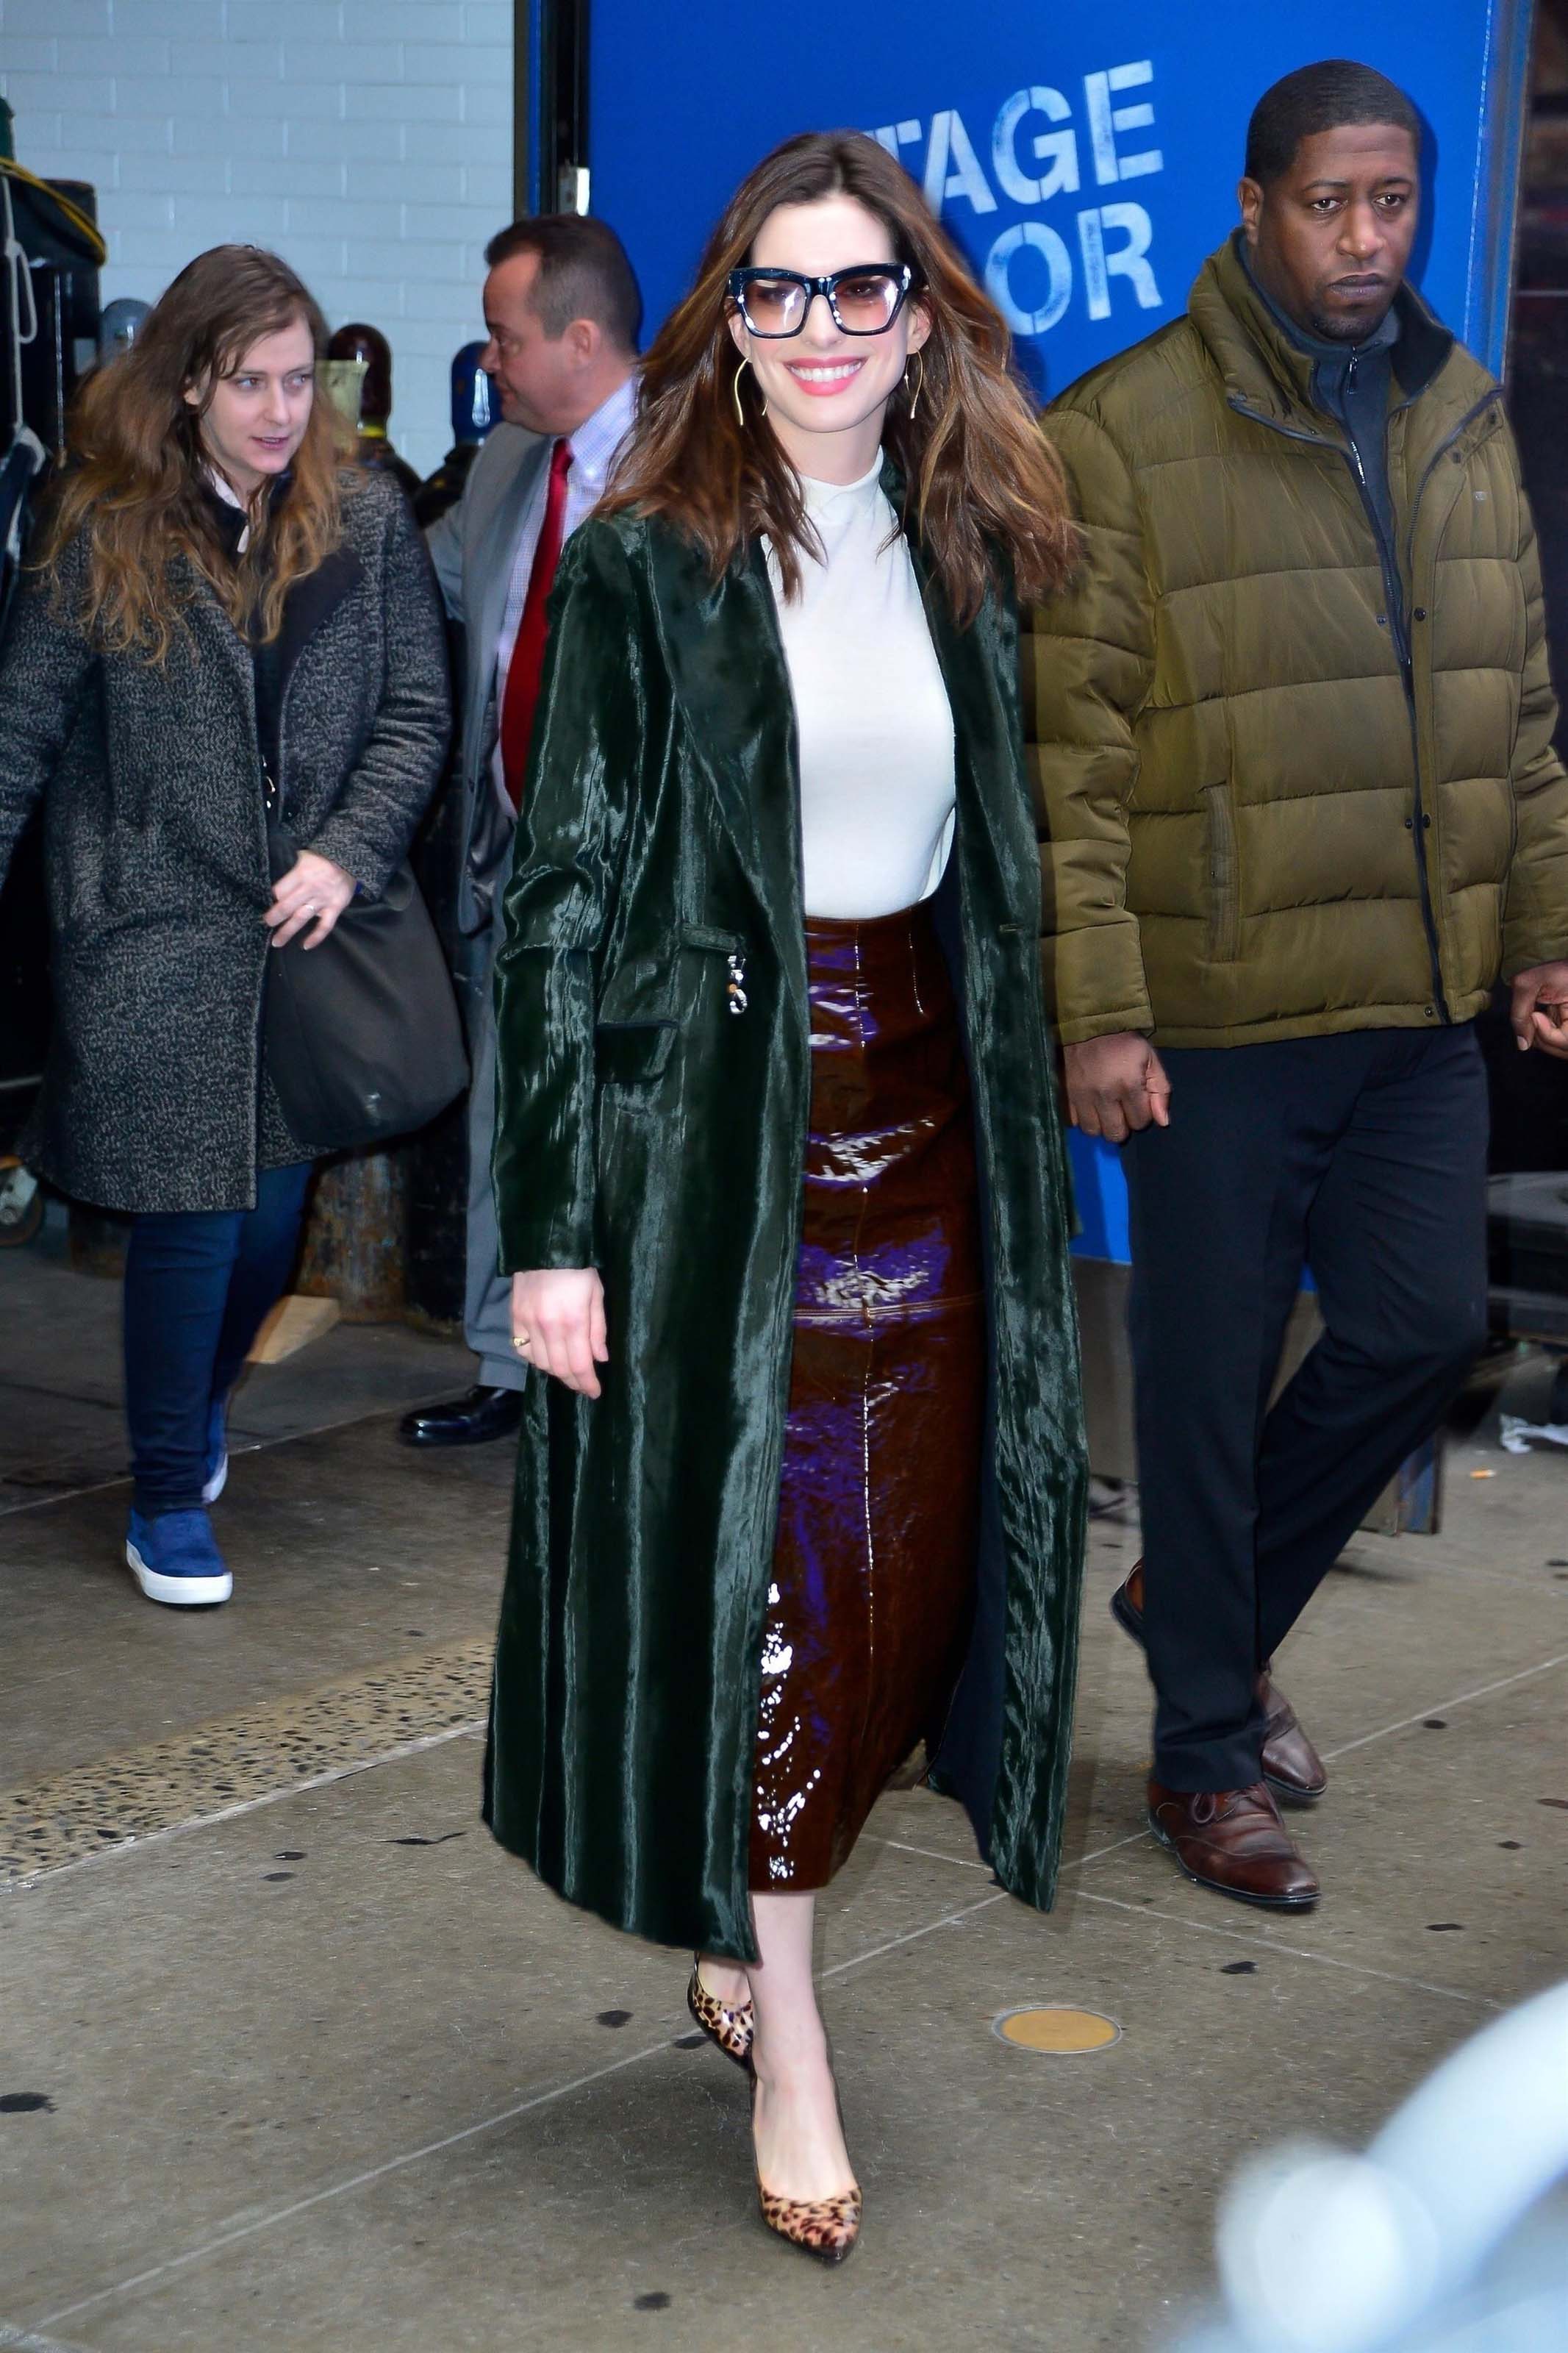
(485, 1413)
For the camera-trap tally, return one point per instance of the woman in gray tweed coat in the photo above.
(224, 619)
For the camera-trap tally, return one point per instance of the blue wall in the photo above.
(1086, 160)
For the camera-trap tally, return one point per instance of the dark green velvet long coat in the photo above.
(646, 1129)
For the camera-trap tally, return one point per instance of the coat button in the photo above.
(1420, 613)
(1410, 824)
(1383, 620)
(1425, 825)
(1430, 1011)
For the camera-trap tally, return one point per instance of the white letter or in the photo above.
(1127, 260)
(1044, 241)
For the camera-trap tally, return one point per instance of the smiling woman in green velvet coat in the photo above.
(779, 1168)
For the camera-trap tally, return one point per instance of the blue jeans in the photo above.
(198, 1286)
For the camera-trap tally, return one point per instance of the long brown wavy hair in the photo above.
(986, 489)
(133, 490)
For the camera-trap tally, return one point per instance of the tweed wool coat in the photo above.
(1253, 824)
(155, 847)
(646, 1129)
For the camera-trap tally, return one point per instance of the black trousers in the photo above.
(1364, 1156)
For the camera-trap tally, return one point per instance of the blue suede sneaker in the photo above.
(217, 1454)
(173, 1558)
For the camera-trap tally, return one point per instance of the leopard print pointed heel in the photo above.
(730, 2025)
(827, 2229)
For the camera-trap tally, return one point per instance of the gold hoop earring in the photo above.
(735, 390)
(919, 382)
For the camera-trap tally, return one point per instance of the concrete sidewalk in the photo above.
(309, 2064)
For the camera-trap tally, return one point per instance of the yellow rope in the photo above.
(78, 219)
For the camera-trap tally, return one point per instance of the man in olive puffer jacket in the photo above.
(1292, 729)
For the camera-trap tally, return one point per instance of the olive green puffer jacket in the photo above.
(1251, 828)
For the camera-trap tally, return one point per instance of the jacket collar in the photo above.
(1266, 369)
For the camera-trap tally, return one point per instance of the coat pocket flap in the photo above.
(711, 941)
(627, 1052)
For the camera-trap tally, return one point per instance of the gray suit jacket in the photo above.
(472, 546)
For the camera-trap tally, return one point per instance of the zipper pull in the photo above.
(735, 988)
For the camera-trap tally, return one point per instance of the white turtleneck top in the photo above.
(875, 728)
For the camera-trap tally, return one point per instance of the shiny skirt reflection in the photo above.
(873, 1572)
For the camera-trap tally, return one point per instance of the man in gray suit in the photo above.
(562, 311)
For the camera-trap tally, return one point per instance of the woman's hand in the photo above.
(558, 1324)
(313, 888)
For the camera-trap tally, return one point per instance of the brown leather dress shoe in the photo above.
(1233, 1842)
(1291, 1766)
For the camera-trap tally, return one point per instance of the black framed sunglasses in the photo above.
(863, 299)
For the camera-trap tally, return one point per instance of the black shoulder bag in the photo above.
(360, 1035)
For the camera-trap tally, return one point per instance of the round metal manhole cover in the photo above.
(1063, 2033)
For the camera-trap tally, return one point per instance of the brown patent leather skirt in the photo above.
(874, 1568)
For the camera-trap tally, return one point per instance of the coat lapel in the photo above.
(487, 608)
(973, 662)
(229, 823)
(727, 660)
(235, 828)
(311, 603)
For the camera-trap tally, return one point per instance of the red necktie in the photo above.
(521, 697)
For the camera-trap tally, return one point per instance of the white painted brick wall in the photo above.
(369, 142)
